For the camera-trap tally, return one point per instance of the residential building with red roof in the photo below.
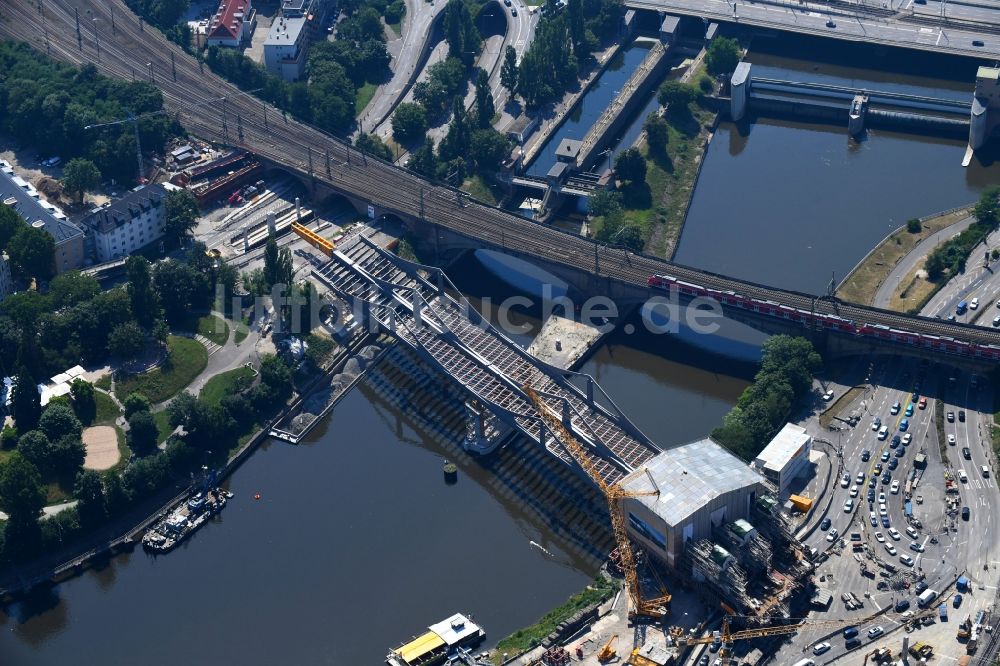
(232, 23)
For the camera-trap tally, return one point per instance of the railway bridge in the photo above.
(441, 217)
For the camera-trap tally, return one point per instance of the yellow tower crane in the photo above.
(614, 494)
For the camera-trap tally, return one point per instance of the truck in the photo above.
(926, 597)
(943, 612)
(922, 650)
(962, 584)
(964, 629)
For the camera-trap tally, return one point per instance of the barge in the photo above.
(439, 642)
(184, 519)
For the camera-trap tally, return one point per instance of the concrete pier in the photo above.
(563, 342)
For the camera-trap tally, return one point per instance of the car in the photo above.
(878, 469)
(909, 410)
(872, 482)
(860, 478)
(880, 537)
(866, 455)
(885, 521)
(894, 409)
(965, 513)
(900, 452)
(885, 456)
(950, 317)
(854, 490)
(956, 601)
(894, 533)
(974, 303)
(996, 320)
(820, 648)
(830, 23)
(914, 396)
(883, 432)
(845, 480)
(828, 396)
(832, 536)
(961, 415)
(894, 463)
(902, 605)
(966, 453)
(871, 494)
(506, 2)
(951, 439)
(985, 471)
(894, 488)
(951, 417)
(703, 661)
(876, 423)
(825, 524)
(912, 532)
(922, 403)
(962, 476)
(882, 511)
(904, 425)
(886, 478)
(895, 442)
(907, 438)
(875, 632)
(850, 632)
(872, 518)
(882, 498)
(906, 560)
(513, 11)
(916, 547)
(848, 506)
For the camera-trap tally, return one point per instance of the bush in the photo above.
(913, 225)
(706, 84)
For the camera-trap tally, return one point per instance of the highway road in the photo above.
(240, 119)
(843, 21)
(961, 547)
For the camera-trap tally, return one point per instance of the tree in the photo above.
(181, 410)
(423, 161)
(136, 402)
(59, 420)
(488, 148)
(80, 175)
(723, 56)
(409, 123)
(913, 225)
(277, 264)
(460, 31)
(84, 400)
(36, 448)
(32, 251)
(987, 209)
(145, 301)
(657, 133)
(676, 96)
(126, 341)
(604, 202)
(456, 142)
(485, 108)
(373, 145)
(181, 288)
(26, 402)
(22, 497)
(630, 165)
(181, 211)
(508, 71)
(88, 490)
(142, 433)
(68, 454)
(10, 222)
(72, 287)
(276, 376)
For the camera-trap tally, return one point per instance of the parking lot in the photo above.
(888, 524)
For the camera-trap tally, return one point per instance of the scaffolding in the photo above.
(718, 569)
(751, 549)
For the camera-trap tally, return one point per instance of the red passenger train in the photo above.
(828, 321)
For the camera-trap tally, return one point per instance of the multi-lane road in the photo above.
(947, 545)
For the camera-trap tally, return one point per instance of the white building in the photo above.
(785, 457)
(135, 220)
(701, 486)
(286, 47)
(232, 23)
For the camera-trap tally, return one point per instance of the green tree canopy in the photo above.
(36, 448)
(630, 165)
(373, 145)
(88, 490)
(72, 287)
(181, 210)
(488, 148)
(485, 107)
(409, 123)
(676, 96)
(126, 341)
(32, 252)
(142, 431)
(59, 420)
(80, 175)
(26, 403)
(84, 400)
(136, 402)
(508, 71)
(723, 55)
(22, 497)
(657, 133)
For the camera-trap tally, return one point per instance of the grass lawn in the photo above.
(396, 28)
(913, 292)
(479, 189)
(221, 385)
(186, 359)
(865, 281)
(242, 330)
(363, 96)
(56, 494)
(107, 410)
(214, 328)
(104, 382)
(163, 428)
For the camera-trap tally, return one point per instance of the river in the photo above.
(792, 204)
(355, 544)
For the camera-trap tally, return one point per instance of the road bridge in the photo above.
(396, 296)
(439, 214)
(958, 31)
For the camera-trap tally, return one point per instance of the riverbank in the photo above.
(897, 256)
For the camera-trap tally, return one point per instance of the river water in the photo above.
(792, 204)
(355, 545)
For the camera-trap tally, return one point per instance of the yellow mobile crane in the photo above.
(650, 608)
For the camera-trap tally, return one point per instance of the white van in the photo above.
(985, 470)
(926, 598)
(883, 432)
(805, 662)
(963, 477)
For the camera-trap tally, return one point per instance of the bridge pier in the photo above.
(739, 96)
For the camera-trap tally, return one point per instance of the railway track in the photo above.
(216, 110)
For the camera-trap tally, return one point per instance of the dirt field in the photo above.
(102, 447)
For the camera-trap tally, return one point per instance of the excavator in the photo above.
(650, 609)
